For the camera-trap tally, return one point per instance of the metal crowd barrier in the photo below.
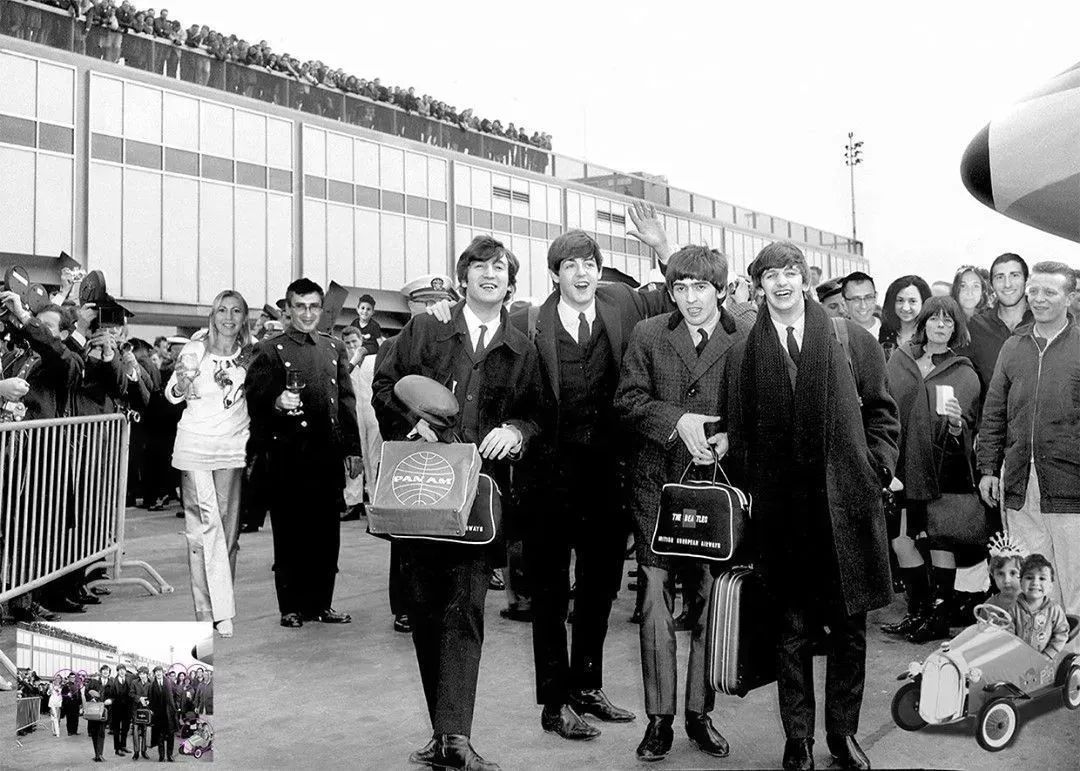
(63, 488)
(27, 712)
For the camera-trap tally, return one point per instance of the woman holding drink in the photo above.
(937, 393)
(210, 453)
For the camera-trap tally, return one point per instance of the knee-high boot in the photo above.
(936, 624)
(917, 588)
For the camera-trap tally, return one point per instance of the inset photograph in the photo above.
(102, 691)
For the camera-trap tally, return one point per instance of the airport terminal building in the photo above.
(179, 175)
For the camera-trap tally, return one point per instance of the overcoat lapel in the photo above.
(547, 322)
(609, 314)
(679, 339)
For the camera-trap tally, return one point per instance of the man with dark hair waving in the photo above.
(815, 434)
(491, 367)
(303, 411)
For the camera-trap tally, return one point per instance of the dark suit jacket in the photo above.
(662, 379)
(163, 703)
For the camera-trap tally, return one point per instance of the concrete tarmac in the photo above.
(349, 696)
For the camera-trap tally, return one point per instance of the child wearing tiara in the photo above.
(1006, 556)
(1037, 619)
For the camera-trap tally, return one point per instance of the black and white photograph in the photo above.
(565, 386)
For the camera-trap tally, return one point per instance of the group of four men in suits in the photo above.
(661, 369)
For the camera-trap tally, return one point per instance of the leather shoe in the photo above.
(455, 751)
(496, 583)
(799, 755)
(84, 597)
(593, 701)
(563, 721)
(702, 732)
(846, 752)
(292, 620)
(424, 756)
(67, 605)
(658, 738)
(401, 623)
(330, 616)
(516, 614)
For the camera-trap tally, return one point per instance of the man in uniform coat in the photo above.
(71, 694)
(120, 712)
(163, 722)
(670, 390)
(815, 433)
(491, 368)
(306, 452)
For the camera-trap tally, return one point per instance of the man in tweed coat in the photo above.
(669, 397)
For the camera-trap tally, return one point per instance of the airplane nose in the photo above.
(975, 167)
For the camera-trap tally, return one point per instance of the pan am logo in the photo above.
(422, 479)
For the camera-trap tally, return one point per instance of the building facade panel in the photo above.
(17, 200)
(141, 240)
(215, 239)
(180, 239)
(249, 245)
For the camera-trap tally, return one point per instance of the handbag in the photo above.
(95, 711)
(958, 520)
(485, 518)
(425, 489)
(143, 716)
(701, 519)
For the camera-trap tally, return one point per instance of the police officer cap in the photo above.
(427, 399)
(271, 312)
(827, 289)
(430, 287)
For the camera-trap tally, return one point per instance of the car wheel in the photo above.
(1071, 691)
(905, 708)
(198, 754)
(996, 727)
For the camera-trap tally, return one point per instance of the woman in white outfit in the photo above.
(209, 452)
(56, 700)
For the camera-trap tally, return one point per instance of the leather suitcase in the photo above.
(741, 634)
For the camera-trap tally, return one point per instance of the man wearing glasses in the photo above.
(308, 434)
(860, 295)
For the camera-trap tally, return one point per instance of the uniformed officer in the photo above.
(307, 434)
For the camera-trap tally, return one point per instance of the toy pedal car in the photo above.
(985, 671)
(201, 740)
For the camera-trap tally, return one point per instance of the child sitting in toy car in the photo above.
(1037, 619)
(1006, 557)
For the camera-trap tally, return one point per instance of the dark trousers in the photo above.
(120, 721)
(446, 587)
(659, 666)
(844, 674)
(580, 517)
(138, 739)
(73, 720)
(165, 742)
(96, 729)
(304, 513)
(396, 583)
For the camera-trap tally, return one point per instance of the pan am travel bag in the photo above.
(96, 711)
(425, 489)
(740, 633)
(701, 519)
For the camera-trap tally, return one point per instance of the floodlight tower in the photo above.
(852, 158)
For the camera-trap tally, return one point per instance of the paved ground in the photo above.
(350, 697)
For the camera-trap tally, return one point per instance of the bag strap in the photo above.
(716, 467)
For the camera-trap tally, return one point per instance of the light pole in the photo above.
(852, 158)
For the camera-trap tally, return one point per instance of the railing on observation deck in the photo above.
(62, 492)
(50, 26)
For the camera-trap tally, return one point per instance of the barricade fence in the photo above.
(62, 493)
(27, 712)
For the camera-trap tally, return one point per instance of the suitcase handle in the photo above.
(716, 466)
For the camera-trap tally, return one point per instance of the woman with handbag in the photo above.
(211, 442)
(937, 393)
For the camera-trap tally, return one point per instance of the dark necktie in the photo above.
(480, 341)
(702, 342)
(583, 331)
(792, 346)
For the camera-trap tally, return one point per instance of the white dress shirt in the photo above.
(473, 322)
(781, 330)
(569, 317)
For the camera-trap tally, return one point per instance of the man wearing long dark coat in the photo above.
(815, 432)
(163, 722)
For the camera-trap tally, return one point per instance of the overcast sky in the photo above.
(746, 102)
(150, 639)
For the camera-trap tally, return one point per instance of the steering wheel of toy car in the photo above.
(993, 615)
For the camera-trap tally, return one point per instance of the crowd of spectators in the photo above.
(116, 28)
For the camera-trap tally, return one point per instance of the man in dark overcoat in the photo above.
(305, 452)
(120, 712)
(815, 433)
(163, 722)
(491, 368)
(670, 396)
